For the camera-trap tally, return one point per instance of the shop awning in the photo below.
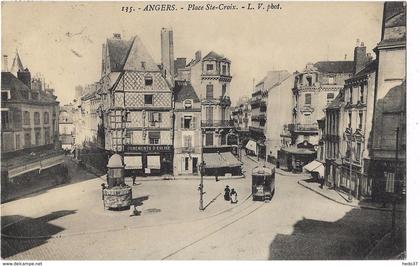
(251, 145)
(296, 150)
(310, 167)
(153, 161)
(133, 162)
(320, 170)
(212, 160)
(230, 159)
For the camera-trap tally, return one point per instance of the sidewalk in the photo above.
(342, 198)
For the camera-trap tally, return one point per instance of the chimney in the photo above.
(180, 63)
(360, 57)
(25, 77)
(167, 52)
(117, 36)
(5, 65)
(197, 56)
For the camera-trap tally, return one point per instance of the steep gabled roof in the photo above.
(17, 87)
(215, 56)
(117, 51)
(184, 90)
(139, 59)
(334, 66)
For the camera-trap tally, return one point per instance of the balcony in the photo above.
(216, 123)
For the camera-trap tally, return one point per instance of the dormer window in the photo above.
(209, 67)
(224, 70)
(148, 81)
(188, 104)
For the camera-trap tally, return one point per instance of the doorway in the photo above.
(195, 165)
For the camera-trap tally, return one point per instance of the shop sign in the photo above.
(148, 148)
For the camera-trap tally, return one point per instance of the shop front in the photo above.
(221, 164)
(293, 158)
(148, 160)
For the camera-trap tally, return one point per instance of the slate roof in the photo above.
(216, 56)
(184, 90)
(19, 90)
(117, 51)
(334, 66)
(369, 68)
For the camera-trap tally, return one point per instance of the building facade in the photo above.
(241, 116)
(136, 107)
(388, 167)
(29, 121)
(66, 126)
(187, 129)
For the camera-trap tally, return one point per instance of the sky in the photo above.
(63, 40)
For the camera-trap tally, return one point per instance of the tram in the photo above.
(263, 183)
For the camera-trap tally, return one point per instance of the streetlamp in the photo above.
(202, 169)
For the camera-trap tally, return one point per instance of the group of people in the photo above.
(230, 194)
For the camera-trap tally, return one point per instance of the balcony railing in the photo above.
(188, 150)
(216, 123)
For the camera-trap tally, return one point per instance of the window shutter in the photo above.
(159, 117)
(193, 122)
(182, 122)
(150, 116)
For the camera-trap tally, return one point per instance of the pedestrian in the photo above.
(217, 176)
(322, 181)
(134, 179)
(103, 195)
(233, 196)
(227, 193)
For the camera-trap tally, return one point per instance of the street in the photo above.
(69, 222)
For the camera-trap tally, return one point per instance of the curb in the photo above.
(347, 204)
(175, 178)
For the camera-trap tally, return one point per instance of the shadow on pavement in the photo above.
(352, 237)
(139, 201)
(28, 232)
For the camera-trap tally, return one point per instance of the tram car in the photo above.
(263, 180)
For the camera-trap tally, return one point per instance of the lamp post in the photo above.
(202, 169)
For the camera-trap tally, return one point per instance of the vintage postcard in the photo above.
(204, 131)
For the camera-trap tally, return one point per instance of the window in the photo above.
(308, 98)
(188, 141)
(223, 90)
(209, 91)
(148, 81)
(309, 79)
(26, 118)
(154, 137)
(209, 67)
(358, 151)
(37, 138)
(389, 179)
(37, 118)
(4, 96)
(362, 91)
(47, 136)
(330, 80)
(224, 70)
(209, 139)
(351, 95)
(186, 163)
(148, 99)
(47, 118)
(17, 141)
(27, 140)
(186, 122)
(330, 97)
(188, 104)
(154, 117)
(360, 119)
(209, 113)
(5, 120)
(349, 126)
